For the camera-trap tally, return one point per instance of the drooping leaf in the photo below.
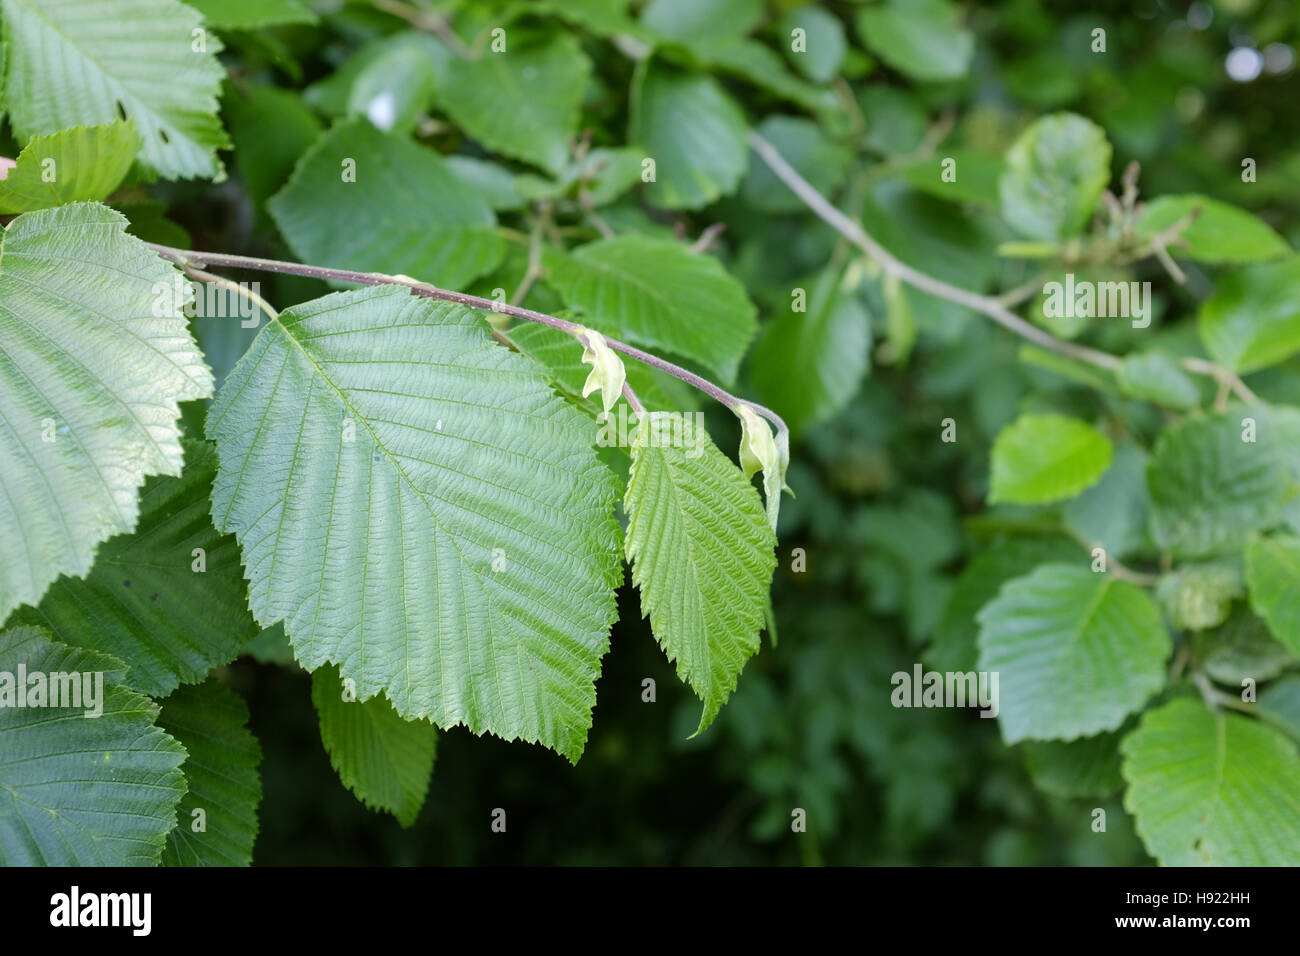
(1221, 233)
(1056, 171)
(1043, 458)
(77, 790)
(90, 381)
(1212, 789)
(1076, 652)
(1273, 576)
(72, 165)
(1216, 480)
(168, 600)
(701, 554)
(421, 220)
(694, 132)
(379, 423)
(923, 39)
(216, 821)
(385, 760)
(659, 294)
(522, 102)
(1156, 377)
(90, 62)
(1253, 319)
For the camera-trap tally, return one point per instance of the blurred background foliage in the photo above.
(884, 509)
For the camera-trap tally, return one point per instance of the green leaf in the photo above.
(1221, 233)
(1077, 652)
(1155, 377)
(702, 555)
(803, 145)
(1212, 789)
(1112, 514)
(607, 374)
(701, 22)
(493, 182)
(251, 14)
(694, 132)
(1043, 458)
(973, 178)
(922, 39)
(395, 89)
(1273, 576)
(522, 102)
(72, 165)
(78, 790)
(658, 293)
(1240, 648)
(211, 721)
(433, 228)
(1088, 767)
(67, 69)
(1211, 489)
(809, 365)
(1200, 596)
(385, 760)
(271, 128)
(143, 601)
(90, 385)
(824, 43)
(382, 424)
(1253, 319)
(1056, 171)
(953, 646)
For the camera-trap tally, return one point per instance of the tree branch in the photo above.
(186, 259)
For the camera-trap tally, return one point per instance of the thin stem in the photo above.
(190, 258)
(914, 277)
(633, 402)
(201, 275)
(534, 270)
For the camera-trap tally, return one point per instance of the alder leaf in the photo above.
(385, 760)
(702, 555)
(211, 721)
(78, 790)
(90, 62)
(90, 380)
(72, 165)
(418, 507)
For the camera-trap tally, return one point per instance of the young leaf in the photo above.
(67, 67)
(1056, 171)
(1221, 233)
(923, 39)
(1043, 458)
(385, 760)
(1253, 319)
(607, 373)
(1216, 480)
(760, 450)
(72, 165)
(656, 292)
(1273, 576)
(216, 822)
(91, 375)
(420, 508)
(1076, 652)
(522, 102)
(694, 132)
(78, 790)
(360, 199)
(1212, 788)
(170, 614)
(701, 553)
